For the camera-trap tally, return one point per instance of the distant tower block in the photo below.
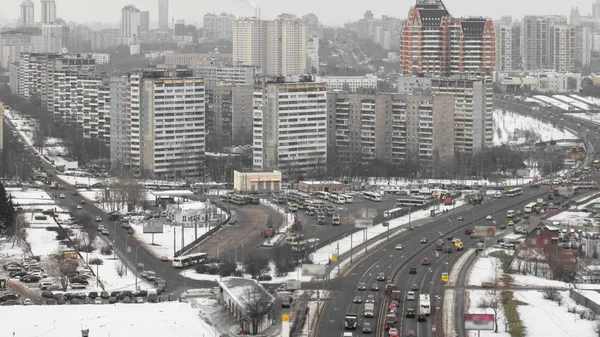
(1, 127)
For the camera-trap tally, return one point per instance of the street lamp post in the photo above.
(136, 266)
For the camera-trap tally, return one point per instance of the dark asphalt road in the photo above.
(386, 259)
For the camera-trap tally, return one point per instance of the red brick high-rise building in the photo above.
(433, 43)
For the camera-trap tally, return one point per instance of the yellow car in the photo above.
(511, 223)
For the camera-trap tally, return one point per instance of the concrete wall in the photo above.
(587, 298)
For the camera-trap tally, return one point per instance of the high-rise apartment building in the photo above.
(393, 128)
(562, 48)
(105, 39)
(508, 46)
(167, 123)
(583, 47)
(163, 15)
(48, 8)
(473, 128)
(120, 117)
(27, 13)
(229, 110)
(218, 27)
(432, 42)
(277, 46)
(53, 38)
(238, 75)
(12, 44)
(596, 9)
(537, 41)
(130, 25)
(144, 21)
(290, 126)
(312, 54)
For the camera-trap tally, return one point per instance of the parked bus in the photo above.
(238, 200)
(337, 198)
(322, 195)
(438, 193)
(413, 200)
(513, 192)
(530, 207)
(189, 260)
(424, 306)
(373, 196)
(349, 198)
(392, 213)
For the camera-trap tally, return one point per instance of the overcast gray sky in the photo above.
(330, 12)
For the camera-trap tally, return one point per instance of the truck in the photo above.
(439, 245)
(351, 321)
(286, 299)
(424, 307)
(369, 310)
(71, 165)
(289, 285)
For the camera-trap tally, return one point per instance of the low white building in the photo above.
(243, 297)
(337, 83)
(101, 58)
(540, 81)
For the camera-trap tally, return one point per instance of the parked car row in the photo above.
(29, 270)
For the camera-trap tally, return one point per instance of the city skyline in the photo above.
(88, 11)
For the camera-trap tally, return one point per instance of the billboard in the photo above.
(479, 321)
(363, 223)
(485, 231)
(314, 270)
(153, 226)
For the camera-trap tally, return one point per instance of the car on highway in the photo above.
(424, 240)
(357, 299)
(449, 237)
(489, 217)
(425, 261)
(511, 223)
(398, 247)
(460, 218)
(412, 270)
(62, 195)
(411, 333)
(82, 201)
(410, 313)
(366, 327)
(98, 219)
(469, 231)
(410, 296)
(502, 226)
(393, 332)
(362, 286)
(375, 287)
(164, 258)
(75, 193)
(381, 277)
(370, 299)
(414, 287)
(448, 250)
(105, 232)
(79, 207)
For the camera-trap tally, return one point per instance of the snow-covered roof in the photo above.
(591, 295)
(235, 287)
(172, 193)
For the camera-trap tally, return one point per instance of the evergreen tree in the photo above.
(7, 210)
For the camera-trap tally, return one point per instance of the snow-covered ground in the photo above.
(592, 103)
(322, 255)
(486, 269)
(572, 102)
(552, 101)
(294, 275)
(514, 129)
(557, 320)
(169, 241)
(167, 319)
(475, 297)
(575, 219)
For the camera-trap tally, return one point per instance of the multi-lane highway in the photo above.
(388, 260)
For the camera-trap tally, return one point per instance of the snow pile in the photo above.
(514, 129)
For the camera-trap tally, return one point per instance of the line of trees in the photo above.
(12, 223)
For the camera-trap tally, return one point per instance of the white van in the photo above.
(510, 213)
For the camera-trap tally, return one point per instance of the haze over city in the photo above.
(331, 12)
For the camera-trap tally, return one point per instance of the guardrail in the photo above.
(206, 235)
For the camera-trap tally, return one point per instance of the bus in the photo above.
(238, 200)
(413, 200)
(322, 195)
(393, 213)
(337, 198)
(349, 198)
(373, 196)
(513, 192)
(189, 260)
(438, 193)
(530, 207)
(424, 306)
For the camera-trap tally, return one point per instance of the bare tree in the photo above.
(257, 304)
(493, 301)
(256, 267)
(19, 233)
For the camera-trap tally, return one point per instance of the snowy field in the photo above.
(475, 297)
(573, 102)
(485, 269)
(514, 129)
(167, 319)
(552, 101)
(570, 218)
(163, 242)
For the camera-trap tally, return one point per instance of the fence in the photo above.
(588, 298)
(206, 235)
